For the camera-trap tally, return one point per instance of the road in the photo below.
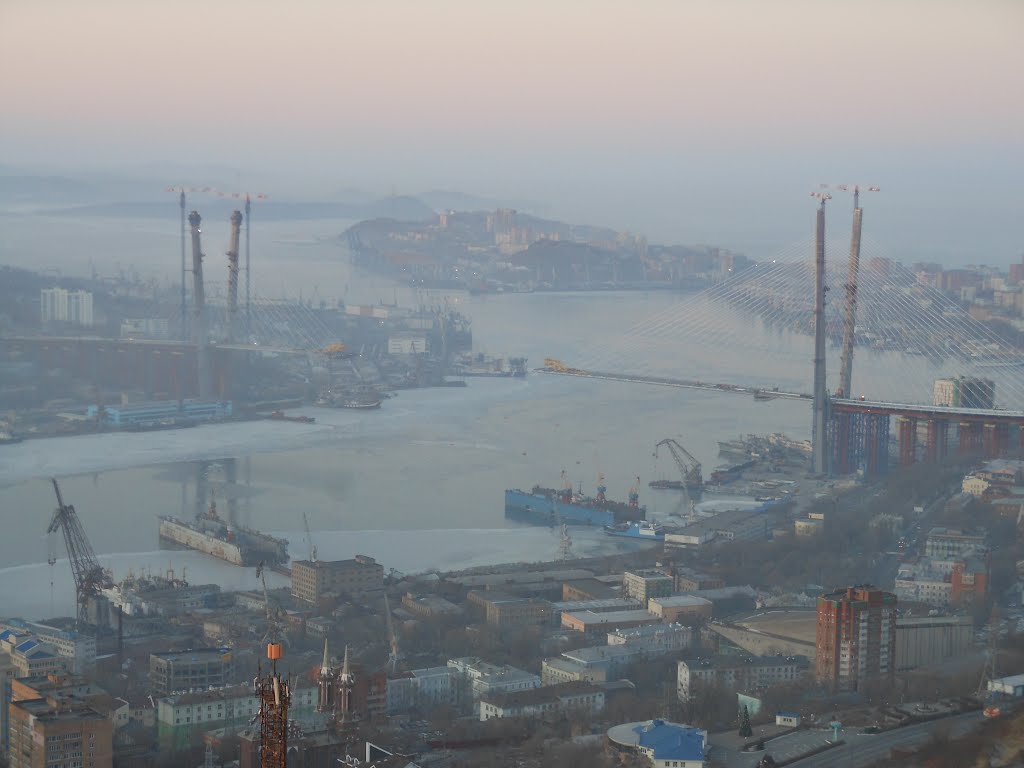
(866, 749)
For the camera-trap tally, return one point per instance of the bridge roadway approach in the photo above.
(858, 430)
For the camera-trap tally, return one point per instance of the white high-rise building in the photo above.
(62, 305)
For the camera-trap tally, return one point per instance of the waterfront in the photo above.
(429, 460)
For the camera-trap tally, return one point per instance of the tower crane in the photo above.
(689, 467)
(89, 576)
(309, 537)
(392, 637)
(273, 633)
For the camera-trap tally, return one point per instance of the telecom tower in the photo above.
(275, 695)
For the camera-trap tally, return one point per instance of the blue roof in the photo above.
(26, 646)
(671, 742)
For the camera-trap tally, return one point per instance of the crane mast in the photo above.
(236, 229)
(689, 467)
(89, 575)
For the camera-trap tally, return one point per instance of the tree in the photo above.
(745, 730)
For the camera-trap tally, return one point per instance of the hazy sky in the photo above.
(670, 116)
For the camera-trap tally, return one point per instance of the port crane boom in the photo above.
(689, 467)
(89, 575)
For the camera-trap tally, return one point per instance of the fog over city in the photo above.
(452, 383)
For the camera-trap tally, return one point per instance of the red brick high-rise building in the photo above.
(856, 637)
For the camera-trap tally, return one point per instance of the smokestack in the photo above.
(199, 322)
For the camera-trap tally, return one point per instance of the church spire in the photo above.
(325, 668)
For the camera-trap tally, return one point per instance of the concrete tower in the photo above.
(819, 447)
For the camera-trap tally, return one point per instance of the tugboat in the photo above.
(640, 529)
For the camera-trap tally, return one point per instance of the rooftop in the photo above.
(731, 661)
(956, 533)
(647, 573)
(611, 617)
(547, 694)
(680, 601)
(665, 740)
(192, 654)
(606, 604)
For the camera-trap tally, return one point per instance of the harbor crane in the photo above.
(90, 576)
(689, 467)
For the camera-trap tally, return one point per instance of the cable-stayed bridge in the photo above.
(752, 334)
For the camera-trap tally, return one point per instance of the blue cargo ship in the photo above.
(547, 506)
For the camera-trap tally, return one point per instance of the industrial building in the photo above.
(730, 525)
(78, 648)
(316, 580)
(855, 637)
(190, 670)
(507, 611)
(678, 607)
(591, 623)
(644, 584)
(162, 411)
(737, 672)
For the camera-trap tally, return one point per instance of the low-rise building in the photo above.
(603, 605)
(666, 637)
(423, 689)
(182, 717)
(679, 607)
(549, 701)
(975, 485)
(689, 580)
(587, 589)
(506, 612)
(953, 542)
(664, 744)
(430, 606)
(485, 678)
(175, 671)
(30, 657)
(1012, 686)
(78, 648)
(644, 584)
(593, 624)
(738, 672)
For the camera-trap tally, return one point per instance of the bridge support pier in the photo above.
(995, 439)
(969, 436)
(906, 430)
(839, 442)
(936, 439)
(876, 444)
